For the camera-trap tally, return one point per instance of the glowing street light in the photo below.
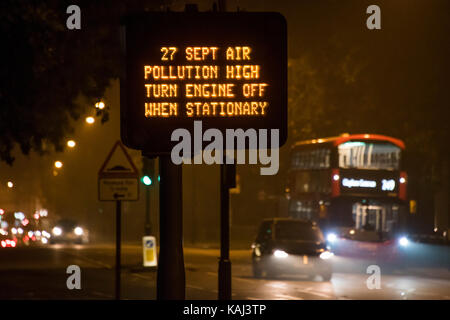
(71, 143)
(90, 120)
(100, 105)
(58, 164)
(10, 184)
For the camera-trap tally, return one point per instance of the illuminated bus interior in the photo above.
(369, 155)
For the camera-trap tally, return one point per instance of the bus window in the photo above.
(369, 155)
(311, 159)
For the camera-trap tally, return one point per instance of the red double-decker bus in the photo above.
(353, 186)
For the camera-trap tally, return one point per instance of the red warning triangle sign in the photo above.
(118, 164)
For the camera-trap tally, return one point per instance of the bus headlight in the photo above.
(403, 241)
(280, 254)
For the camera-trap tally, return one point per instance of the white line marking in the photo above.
(89, 260)
(141, 276)
(315, 293)
(195, 287)
(287, 297)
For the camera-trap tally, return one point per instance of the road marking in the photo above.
(323, 295)
(287, 297)
(141, 276)
(95, 262)
(195, 287)
(100, 294)
(244, 280)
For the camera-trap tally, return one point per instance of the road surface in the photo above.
(40, 273)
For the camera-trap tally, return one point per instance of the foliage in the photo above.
(47, 67)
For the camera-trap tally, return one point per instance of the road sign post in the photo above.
(148, 172)
(118, 248)
(171, 280)
(227, 181)
(118, 180)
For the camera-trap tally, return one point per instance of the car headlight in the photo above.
(403, 241)
(331, 237)
(78, 231)
(280, 254)
(57, 231)
(326, 255)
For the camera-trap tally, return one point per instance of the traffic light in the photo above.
(147, 180)
(148, 171)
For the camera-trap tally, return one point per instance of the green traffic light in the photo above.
(146, 180)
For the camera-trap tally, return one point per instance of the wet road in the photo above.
(40, 273)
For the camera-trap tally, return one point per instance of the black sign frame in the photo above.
(264, 32)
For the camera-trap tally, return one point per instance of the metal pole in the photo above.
(148, 224)
(171, 280)
(118, 243)
(222, 5)
(224, 262)
(226, 171)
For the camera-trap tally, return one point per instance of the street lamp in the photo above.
(90, 120)
(58, 164)
(10, 184)
(71, 143)
(100, 105)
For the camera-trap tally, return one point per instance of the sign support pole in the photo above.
(227, 181)
(224, 262)
(148, 225)
(118, 247)
(171, 280)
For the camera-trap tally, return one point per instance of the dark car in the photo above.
(290, 246)
(69, 231)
